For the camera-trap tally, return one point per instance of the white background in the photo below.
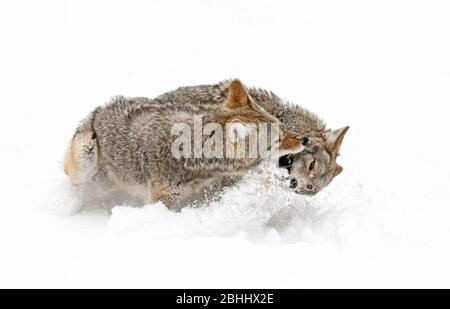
(382, 67)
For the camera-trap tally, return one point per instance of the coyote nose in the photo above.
(294, 183)
(309, 187)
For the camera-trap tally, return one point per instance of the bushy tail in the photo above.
(81, 159)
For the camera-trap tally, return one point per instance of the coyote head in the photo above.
(315, 167)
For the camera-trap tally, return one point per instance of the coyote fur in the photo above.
(129, 141)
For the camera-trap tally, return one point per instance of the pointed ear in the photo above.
(292, 143)
(333, 139)
(337, 170)
(237, 95)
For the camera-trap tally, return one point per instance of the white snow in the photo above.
(381, 67)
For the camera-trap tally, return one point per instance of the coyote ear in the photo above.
(237, 95)
(333, 139)
(292, 143)
(337, 170)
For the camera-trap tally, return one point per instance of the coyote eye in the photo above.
(311, 166)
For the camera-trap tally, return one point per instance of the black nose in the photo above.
(305, 141)
(294, 183)
(285, 161)
(309, 187)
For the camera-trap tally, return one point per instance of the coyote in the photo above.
(310, 170)
(129, 141)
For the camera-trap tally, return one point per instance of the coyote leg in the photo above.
(173, 196)
(162, 193)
